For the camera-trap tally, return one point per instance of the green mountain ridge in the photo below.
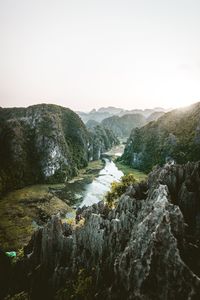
(101, 140)
(106, 112)
(122, 126)
(44, 143)
(174, 136)
(41, 143)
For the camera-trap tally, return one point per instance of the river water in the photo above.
(85, 191)
(96, 190)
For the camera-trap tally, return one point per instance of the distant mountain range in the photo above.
(106, 112)
(120, 121)
(122, 126)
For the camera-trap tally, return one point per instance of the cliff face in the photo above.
(46, 144)
(147, 247)
(122, 126)
(174, 136)
(101, 140)
(41, 143)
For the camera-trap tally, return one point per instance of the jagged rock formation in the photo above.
(174, 136)
(122, 126)
(142, 249)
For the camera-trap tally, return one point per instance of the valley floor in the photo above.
(24, 210)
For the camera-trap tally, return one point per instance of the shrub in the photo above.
(119, 188)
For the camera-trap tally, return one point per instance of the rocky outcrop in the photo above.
(141, 249)
(174, 136)
(41, 143)
(183, 182)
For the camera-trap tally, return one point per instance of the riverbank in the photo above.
(23, 210)
(139, 176)
(75, 189)
(115, 153)
(97, 190)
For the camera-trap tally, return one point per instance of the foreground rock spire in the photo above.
(141, 249)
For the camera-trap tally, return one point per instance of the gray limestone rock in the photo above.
(138, 250)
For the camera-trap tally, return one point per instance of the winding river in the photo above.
(83, 192)
(96, 190)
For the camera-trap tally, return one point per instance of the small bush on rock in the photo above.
(119, 188)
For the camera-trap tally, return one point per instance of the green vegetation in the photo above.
(175, 135)
(138, 175)
(74, 188)
(41, 144)
(20, 208)
(46, 144)
(122, 126)
(119, 188)
(101, 140)
(93, 167)
(88, 174)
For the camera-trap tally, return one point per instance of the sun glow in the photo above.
(130, 54)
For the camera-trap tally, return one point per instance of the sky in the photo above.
(86, 54)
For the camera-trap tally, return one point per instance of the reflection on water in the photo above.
(96, 190)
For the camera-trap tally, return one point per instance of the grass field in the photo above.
(18, 210)
(139, 176)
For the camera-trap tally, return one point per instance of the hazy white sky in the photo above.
(92, 53)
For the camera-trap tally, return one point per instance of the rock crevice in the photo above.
(138, 250)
